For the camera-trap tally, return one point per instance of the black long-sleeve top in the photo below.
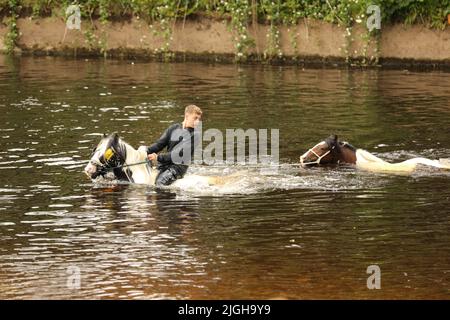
(175, 141)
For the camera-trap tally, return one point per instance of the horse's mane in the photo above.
(119, 144)
(332, 141)
(349, 146)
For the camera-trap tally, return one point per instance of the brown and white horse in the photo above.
(114, 159)
(333, 151)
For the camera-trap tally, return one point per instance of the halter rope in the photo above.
(319, 158)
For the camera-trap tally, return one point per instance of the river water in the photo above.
(293, 234)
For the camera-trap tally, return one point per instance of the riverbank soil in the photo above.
(206, 38)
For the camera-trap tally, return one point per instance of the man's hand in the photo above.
(152, 156)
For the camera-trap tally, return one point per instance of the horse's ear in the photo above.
(335, 137)
(115, 136)
(104, 135)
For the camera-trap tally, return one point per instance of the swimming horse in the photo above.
(114, 159)
(333, 151)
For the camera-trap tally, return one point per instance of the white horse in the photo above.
(114, 158)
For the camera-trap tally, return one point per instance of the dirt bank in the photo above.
(203, 39)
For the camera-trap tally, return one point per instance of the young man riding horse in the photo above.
(177, 137)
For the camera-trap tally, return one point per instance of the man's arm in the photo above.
(177, 152)
(161, 143)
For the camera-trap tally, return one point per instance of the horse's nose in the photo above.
(90, 169)
(302, 158)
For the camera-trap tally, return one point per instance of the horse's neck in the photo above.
(347, 156)
(132, 155)
(141, 173)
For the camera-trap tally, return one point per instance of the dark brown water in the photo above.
(297, 234)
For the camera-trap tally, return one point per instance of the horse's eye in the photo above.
(108, 154)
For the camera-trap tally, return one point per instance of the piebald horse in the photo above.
(333, 151)
(114, 158)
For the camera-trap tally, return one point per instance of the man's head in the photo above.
(192, 116)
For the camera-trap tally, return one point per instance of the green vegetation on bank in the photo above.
(241, 13)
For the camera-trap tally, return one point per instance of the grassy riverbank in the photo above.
(431, 12)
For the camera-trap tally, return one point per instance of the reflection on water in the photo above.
(294, 234)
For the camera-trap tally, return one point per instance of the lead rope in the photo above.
(147, 161)
(319, 158)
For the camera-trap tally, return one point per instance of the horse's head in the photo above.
(325, 152)
(105, 156)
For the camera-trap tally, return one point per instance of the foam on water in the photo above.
(241, 179)
(238, 180)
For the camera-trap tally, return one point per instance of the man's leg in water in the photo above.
(166, 177)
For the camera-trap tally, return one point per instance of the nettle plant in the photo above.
(272, 13)
(164, 13)
(291, 13)
(12, 36)
(346, 14)
(240, 12)
(104, 15)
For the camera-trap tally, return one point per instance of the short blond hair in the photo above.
(192, 108)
